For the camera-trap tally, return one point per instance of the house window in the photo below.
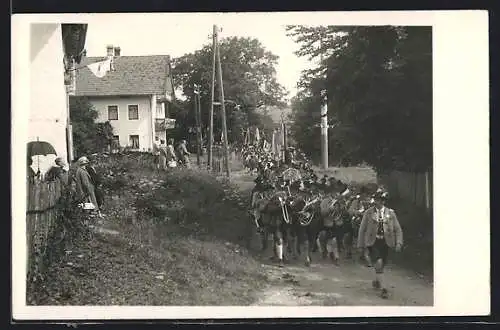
(133, 112)
(134, 141)
(159, 111)
(112, 112)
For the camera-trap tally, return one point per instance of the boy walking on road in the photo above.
(379, 232)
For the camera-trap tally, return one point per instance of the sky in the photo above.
(176, 35)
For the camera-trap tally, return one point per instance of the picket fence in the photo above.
(416, 188)
(41, 217)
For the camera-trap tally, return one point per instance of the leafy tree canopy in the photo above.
(379, 85)
(249, 78)
(88, 135)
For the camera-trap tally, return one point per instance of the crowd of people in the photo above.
(347, 216)
(167, 156)
(80, 180)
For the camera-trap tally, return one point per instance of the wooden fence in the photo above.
(41, 216)
(416, 188)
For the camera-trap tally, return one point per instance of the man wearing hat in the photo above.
(85, 190)
(58, 172)
(379, 232)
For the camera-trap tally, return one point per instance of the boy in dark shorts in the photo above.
(379, 232)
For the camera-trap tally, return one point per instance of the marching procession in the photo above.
(305, 213)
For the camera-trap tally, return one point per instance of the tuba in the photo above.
(305, 217)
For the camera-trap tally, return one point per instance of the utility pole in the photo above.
(70, 90)
(200, 125)
(211, 111)
(223, 106)
(197, 119)
(324, 130)
(324, 119)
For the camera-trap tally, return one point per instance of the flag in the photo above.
(99, 69)
(257, 135)
(273, 143)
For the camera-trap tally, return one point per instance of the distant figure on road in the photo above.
(183, 153)
(156, 152)
(162, 156)
(170, 153)
(380, 231)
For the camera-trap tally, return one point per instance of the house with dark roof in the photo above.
(54, 48)
(135, 96)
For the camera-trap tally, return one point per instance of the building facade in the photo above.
(135, 96)
(52, 47)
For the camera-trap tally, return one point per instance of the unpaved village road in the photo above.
(324, 284)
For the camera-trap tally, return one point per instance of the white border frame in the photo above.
(461, 145)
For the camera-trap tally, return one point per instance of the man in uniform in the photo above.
(380, 232)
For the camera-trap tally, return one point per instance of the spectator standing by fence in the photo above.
(58, 172)
(85, 190)
(96, 181)
(30, 174)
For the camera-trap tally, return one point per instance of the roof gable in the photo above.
(133, 75)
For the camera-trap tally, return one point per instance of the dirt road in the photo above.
(324, 284)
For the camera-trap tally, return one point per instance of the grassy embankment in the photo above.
(172, 238)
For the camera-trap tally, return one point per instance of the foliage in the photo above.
(379, 86)
(69, 226)
(179, 243)
(249, 77)
(89, 136)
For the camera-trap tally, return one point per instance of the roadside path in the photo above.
(324, 284)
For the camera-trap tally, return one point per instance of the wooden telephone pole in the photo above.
(216, 61)
(197, 114)
(324, 119)
(211, 111)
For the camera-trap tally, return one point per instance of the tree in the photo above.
(249, 77)
(88, 136)
(379, 86)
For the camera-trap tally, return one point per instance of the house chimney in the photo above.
(110, 50)
(117, 51)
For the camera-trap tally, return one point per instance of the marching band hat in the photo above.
(381, 194)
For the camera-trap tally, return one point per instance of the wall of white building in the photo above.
(48, 110)
(124, 127)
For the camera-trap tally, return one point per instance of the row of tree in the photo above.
(378, 81)
(250, 87)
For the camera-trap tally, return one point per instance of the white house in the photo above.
(53, 46)
(135, 96)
